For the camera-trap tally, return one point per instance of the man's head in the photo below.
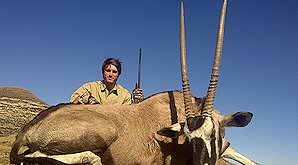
(111, 70)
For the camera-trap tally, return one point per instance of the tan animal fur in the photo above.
(124, 134)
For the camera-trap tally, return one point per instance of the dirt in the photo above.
(5, 146)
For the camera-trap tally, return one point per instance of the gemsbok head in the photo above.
(202, 129)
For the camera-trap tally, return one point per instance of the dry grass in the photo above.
(5, 146)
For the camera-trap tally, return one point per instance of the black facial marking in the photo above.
(200, 152)
(213, 149)
(174, 117)
(182, 125)
(220, 141)
(194, 123)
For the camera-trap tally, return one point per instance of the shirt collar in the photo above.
(103, 88)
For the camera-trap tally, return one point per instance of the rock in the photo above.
(17, 107)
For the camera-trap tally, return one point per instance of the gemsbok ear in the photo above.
(239, 119)
(173, 131)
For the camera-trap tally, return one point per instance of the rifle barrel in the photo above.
(139, 68)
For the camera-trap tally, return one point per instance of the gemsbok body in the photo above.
(166, 128)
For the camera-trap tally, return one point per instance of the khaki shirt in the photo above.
(98, 90)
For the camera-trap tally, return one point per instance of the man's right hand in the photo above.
(92, 100)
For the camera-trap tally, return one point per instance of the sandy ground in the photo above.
(5, 146)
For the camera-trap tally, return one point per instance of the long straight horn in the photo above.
(208, 107)
(186, 89)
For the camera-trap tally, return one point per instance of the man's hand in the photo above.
(92, 100)
(137, 95)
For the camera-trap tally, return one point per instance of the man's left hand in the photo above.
(137, 95)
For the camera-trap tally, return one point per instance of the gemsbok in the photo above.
(166, 128)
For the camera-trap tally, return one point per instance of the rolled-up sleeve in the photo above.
(81, 95)
(127, 98)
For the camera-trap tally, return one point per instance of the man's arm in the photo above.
(127, 98)
(81, 95)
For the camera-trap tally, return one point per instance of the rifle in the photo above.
(138, 84)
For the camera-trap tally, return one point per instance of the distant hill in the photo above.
(18, 93)
(17, 107)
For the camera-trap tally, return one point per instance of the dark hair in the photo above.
(115, 62)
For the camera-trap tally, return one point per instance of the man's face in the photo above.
(111, 74)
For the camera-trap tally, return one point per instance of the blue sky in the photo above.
(52, 47)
